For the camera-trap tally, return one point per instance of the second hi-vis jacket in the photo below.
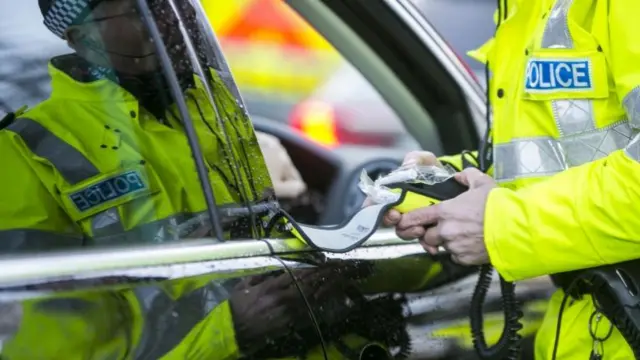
(566, 151)
(90, 165)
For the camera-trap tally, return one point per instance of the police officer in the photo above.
(566, 159)
(105, 159)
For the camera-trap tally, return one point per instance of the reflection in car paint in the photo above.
(373, 267)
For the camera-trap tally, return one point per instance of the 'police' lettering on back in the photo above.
(109, 189)
(554, 75)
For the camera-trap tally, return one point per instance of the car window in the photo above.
(287, 72)
(472, 27)
(119, 149)
(25, 47)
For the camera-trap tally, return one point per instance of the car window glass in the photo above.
(105, 157)
(25, 48)
(288, 73)
(473, 26)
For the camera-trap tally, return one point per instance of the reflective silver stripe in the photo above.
(633, 149)
(593, 145)
(545, 156)
(70, 163)
(167, 322)
(172, 228)
(556, 32)
(572, 116)
(106, 223)
(631, 103)
(27, 239)
(160, 231)
(528, 157)
(109, 231)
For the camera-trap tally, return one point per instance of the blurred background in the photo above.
(285, 70)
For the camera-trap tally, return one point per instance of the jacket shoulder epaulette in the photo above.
(9, 118)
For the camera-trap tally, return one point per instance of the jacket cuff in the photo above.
(504, 218)
(455, 161)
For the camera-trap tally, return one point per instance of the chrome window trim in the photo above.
(65, 265)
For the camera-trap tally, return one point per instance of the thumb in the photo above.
(473, 178)
(420, 158)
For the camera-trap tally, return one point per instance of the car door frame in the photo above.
(398, 42)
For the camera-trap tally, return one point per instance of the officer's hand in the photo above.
(456, 224)
(266, 307)
(424, 158)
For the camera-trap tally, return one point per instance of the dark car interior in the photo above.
(332, 175)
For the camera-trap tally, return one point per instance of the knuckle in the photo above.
(402, 235)
(446, 232)
(417, 232)
(410, 233)
(431, 237)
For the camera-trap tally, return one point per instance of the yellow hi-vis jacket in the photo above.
(566, 151)
(90, 164)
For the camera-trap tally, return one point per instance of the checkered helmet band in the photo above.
(63, 13)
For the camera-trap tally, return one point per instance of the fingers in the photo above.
(473, 178)
(414, 232)
(432, 238)
(391, 218)
(428, 215)
(433, 250)
(420, 158)
(412, 225)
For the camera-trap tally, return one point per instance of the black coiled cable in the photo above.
(508, 346)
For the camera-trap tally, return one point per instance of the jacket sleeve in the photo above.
(585, 216)
(30, 214)
(455, 161)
